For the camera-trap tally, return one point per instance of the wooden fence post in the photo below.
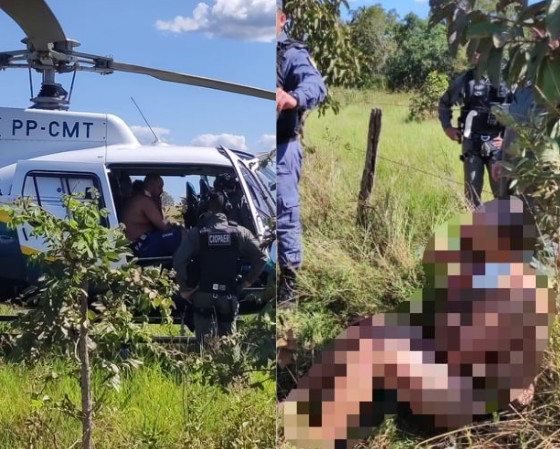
(368, 176)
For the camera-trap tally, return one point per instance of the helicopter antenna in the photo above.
(158, 140)
(30, 82)
(72, 86)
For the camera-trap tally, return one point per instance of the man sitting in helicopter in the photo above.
(145, 226)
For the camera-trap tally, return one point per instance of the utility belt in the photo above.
(288, 125)
(481, 146)
(224, 307)
(219, 289)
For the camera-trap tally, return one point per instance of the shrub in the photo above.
(424, 104)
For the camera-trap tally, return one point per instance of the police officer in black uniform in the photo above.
(478, 130)
(238, 205)
(218, 246)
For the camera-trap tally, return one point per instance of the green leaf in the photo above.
(548, 82)
(553, 19)
(516, 66)
(501, 38)
(485, 47)
(494, 66)
(472, 47)
(482, 29)
(456, 32)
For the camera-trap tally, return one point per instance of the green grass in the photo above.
(153, 409)
(222, 398)
(352, 270)
(356, 270)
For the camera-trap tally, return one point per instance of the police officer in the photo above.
(479, 131)
(524, 110)
(299, 86)
(238, 206)
(218, 245)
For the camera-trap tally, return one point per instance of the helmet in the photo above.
(219, 200)
(225, 181)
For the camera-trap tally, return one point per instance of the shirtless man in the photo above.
(468, 344)
(145, 226)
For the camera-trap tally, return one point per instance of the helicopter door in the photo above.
(46, 181)
(259, 198)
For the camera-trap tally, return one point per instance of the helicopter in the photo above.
(47, 150)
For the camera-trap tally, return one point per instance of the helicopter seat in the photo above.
(190, 215)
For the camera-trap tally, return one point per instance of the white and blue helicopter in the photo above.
(47, 151)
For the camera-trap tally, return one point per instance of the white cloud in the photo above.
(267, 142)
(228, 140)
(246, 20)
(145, 136)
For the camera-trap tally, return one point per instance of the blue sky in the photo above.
(231, 40)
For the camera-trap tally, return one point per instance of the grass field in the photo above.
(153, 409)
(220, 399)
(352, 270)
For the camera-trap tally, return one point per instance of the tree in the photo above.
(526, 36)
(371, 31)
(318, 24)
(420, 47)
(424, 104)
(505, 34)
(78, 261)
(167, 200)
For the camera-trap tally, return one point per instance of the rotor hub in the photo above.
(51, 96)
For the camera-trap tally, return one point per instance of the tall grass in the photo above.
(153, 409)
(352, 270)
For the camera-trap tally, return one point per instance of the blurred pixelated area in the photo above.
(466, 346)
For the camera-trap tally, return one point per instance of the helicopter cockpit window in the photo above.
(257, 194)
(267, 173)
(47, 189)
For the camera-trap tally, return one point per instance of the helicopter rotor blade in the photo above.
(37, 21)
(182, 78)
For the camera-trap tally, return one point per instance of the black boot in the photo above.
(287, 285)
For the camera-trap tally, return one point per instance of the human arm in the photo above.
(284, 100)
(303, 82)
(451, 97)
(249, 249)
(501, 143)
(187, 249)
(153, 215)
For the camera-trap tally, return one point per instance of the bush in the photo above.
(424, 104)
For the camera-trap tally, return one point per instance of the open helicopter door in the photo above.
(46, 181)
(259, 199)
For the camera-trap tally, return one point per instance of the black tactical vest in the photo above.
(218, 260)
(288, 122)
(480, 96)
